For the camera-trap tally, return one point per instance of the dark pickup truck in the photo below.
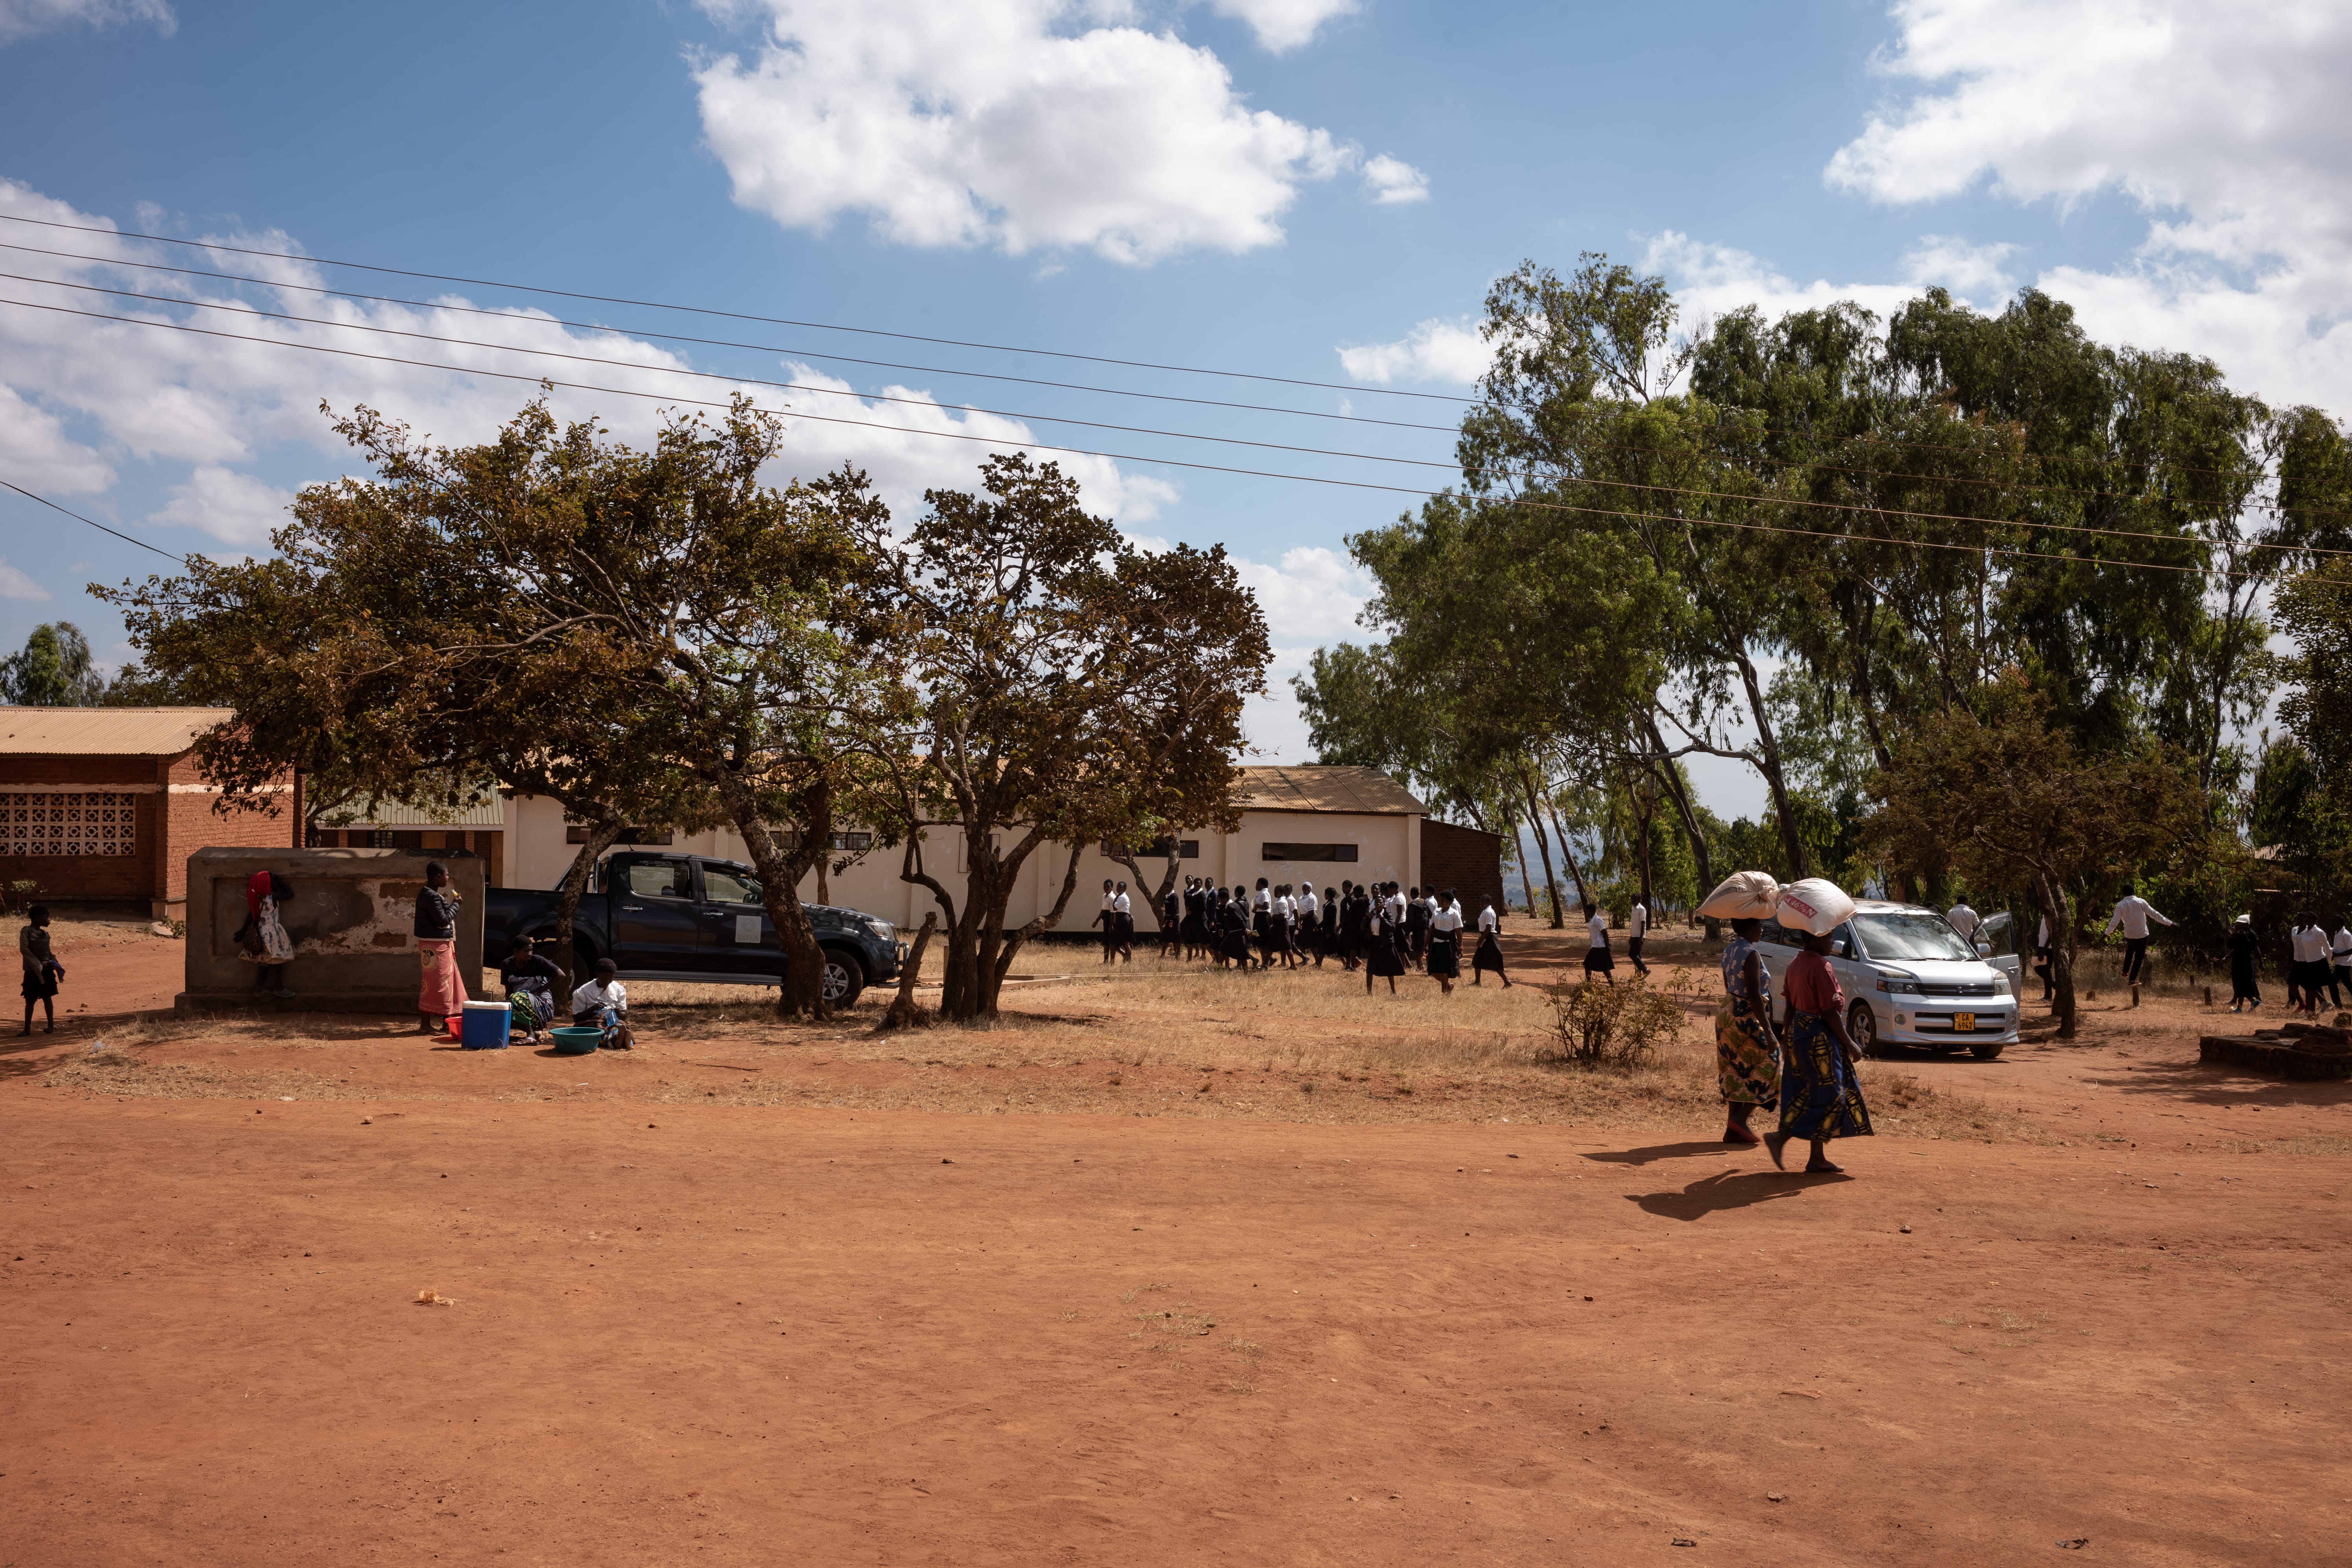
(690, 918)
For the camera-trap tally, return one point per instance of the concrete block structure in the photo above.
(102, 805)
(1467, 860)
(353, 919)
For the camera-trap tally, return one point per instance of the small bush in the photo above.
(1613, 1027)
(18, 896)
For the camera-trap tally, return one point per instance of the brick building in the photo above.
(104, 805)
(1467, 860)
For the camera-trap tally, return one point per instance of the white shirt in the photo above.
(1639, 922)
(2133, 914)
(2042, 937)
(1964, 919)
(1600, 927)
(1310, 906)
(1395, 908)
(2343, 946)
(1263, 899)
(2310, 944)
(1119, 904)
(1111, 901)
(1447, 917)
(1486, 921)
(594, 997)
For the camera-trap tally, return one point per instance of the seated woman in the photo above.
(604, 1003)
(530, 981)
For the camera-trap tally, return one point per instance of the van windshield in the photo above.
(1902, 935)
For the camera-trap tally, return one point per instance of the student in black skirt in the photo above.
(42, 970)
(1597, 960)
(1326, 931)
(1383, 948)
(1416, 927)
(1234, 934)
(1195, 926)
(1489, 954)
(1446, 942)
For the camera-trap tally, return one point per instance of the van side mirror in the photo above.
(1838, 947)
(1984, 948)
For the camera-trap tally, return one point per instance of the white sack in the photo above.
(1743, 896)
(1814, 905)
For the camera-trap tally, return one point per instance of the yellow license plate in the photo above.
(1963, 1023)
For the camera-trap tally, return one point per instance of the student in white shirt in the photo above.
(1310, 929)
(604, 1003)
(1490, 948)
(2042, 958)
(2132, 915)
(1107, 917)
(1636, 928)
(1597, 960)
(1446, 942)
(2339, 978)
(1965, 921)
(2311, 970)
(1122, 924)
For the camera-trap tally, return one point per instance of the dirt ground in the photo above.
(1375, 1286)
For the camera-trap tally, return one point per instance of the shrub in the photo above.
(1612, 1026)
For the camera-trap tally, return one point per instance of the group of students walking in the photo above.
(1377, 928)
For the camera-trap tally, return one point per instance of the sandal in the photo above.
(1824, 1169)
(1744, 1136)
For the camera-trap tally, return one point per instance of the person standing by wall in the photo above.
(1122, 921)
(262, 939)
(2132, 915)
(1637, 926)
(1107, 917)
(441, 996)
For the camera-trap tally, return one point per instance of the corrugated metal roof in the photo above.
(491, 813)
(104, 731)
(1319, 786)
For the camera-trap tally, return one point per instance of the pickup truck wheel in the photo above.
(1863, 1025)
(845, 978)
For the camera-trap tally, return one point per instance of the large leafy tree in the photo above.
(1063, 686)
(51, 671)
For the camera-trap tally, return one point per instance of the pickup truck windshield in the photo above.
(721, 886)
(1914, 936)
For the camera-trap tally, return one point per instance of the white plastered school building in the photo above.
(1313, 823)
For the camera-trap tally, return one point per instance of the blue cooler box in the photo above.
(484, 1027)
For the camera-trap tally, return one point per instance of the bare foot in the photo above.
(1774, 1143)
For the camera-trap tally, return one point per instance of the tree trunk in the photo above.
(903, 1014)
(606, 832)
(1576, 874)
(1767, 763)
(1543, 847)
(801, 988)
(993, 977)
(2062, 950)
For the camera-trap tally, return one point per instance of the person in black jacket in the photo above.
(441, 996)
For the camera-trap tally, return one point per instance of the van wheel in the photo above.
(1863, 1025)
(1984, 1053)
(845, 978)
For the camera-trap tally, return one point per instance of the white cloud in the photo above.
(1311, 596)
(23, 18)
(1008, 123)
(1968, 270)
(1434, 351)
(1281, 25)
(2224, 123)
(78, 397)
(1390, 180)
(15, 584)
(235, 508)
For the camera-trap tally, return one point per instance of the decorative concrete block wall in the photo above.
(353, 919)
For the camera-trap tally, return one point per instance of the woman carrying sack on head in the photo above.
(1747, 1050)
(1820, 1098)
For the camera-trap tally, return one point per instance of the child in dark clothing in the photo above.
(42, 970)
(530, 981)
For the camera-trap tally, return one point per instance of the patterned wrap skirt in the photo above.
(1819, 1096)
(1746, 1064)
(441, 995)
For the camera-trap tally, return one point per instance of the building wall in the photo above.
(172, 816)
(1387, 848)
(1467, 860)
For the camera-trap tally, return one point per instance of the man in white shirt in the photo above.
(2340, 977)
(2132, 915)
(1107, 917)
(604, 1003)
(1637, 927)
(2310, 973)
(1596, 957)
(1446, 942)
(1965, 921)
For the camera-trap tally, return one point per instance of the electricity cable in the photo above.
(1693, 491)
(99, 526)
(1167, 462)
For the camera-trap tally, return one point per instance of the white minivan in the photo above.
(1910, 979)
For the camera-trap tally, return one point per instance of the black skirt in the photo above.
(1599, 962)
(1383, 954)
(1445, 954)
(1489, 954)
(40, 984)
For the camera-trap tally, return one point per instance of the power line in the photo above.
(912, 337)
(1137, 457)
(240, 310)
(706, 342)
(99, 526)
(730, 315)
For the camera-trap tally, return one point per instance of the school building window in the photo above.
(1189, 849)
(41, 825)
(853, 841)
(1306, 852)
(578, 835)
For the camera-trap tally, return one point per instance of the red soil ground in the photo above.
(714, 1332)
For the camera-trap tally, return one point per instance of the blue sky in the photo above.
(1245, 185)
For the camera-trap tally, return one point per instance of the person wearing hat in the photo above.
(2245, 957)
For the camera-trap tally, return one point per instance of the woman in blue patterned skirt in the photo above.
(1819, 1098)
